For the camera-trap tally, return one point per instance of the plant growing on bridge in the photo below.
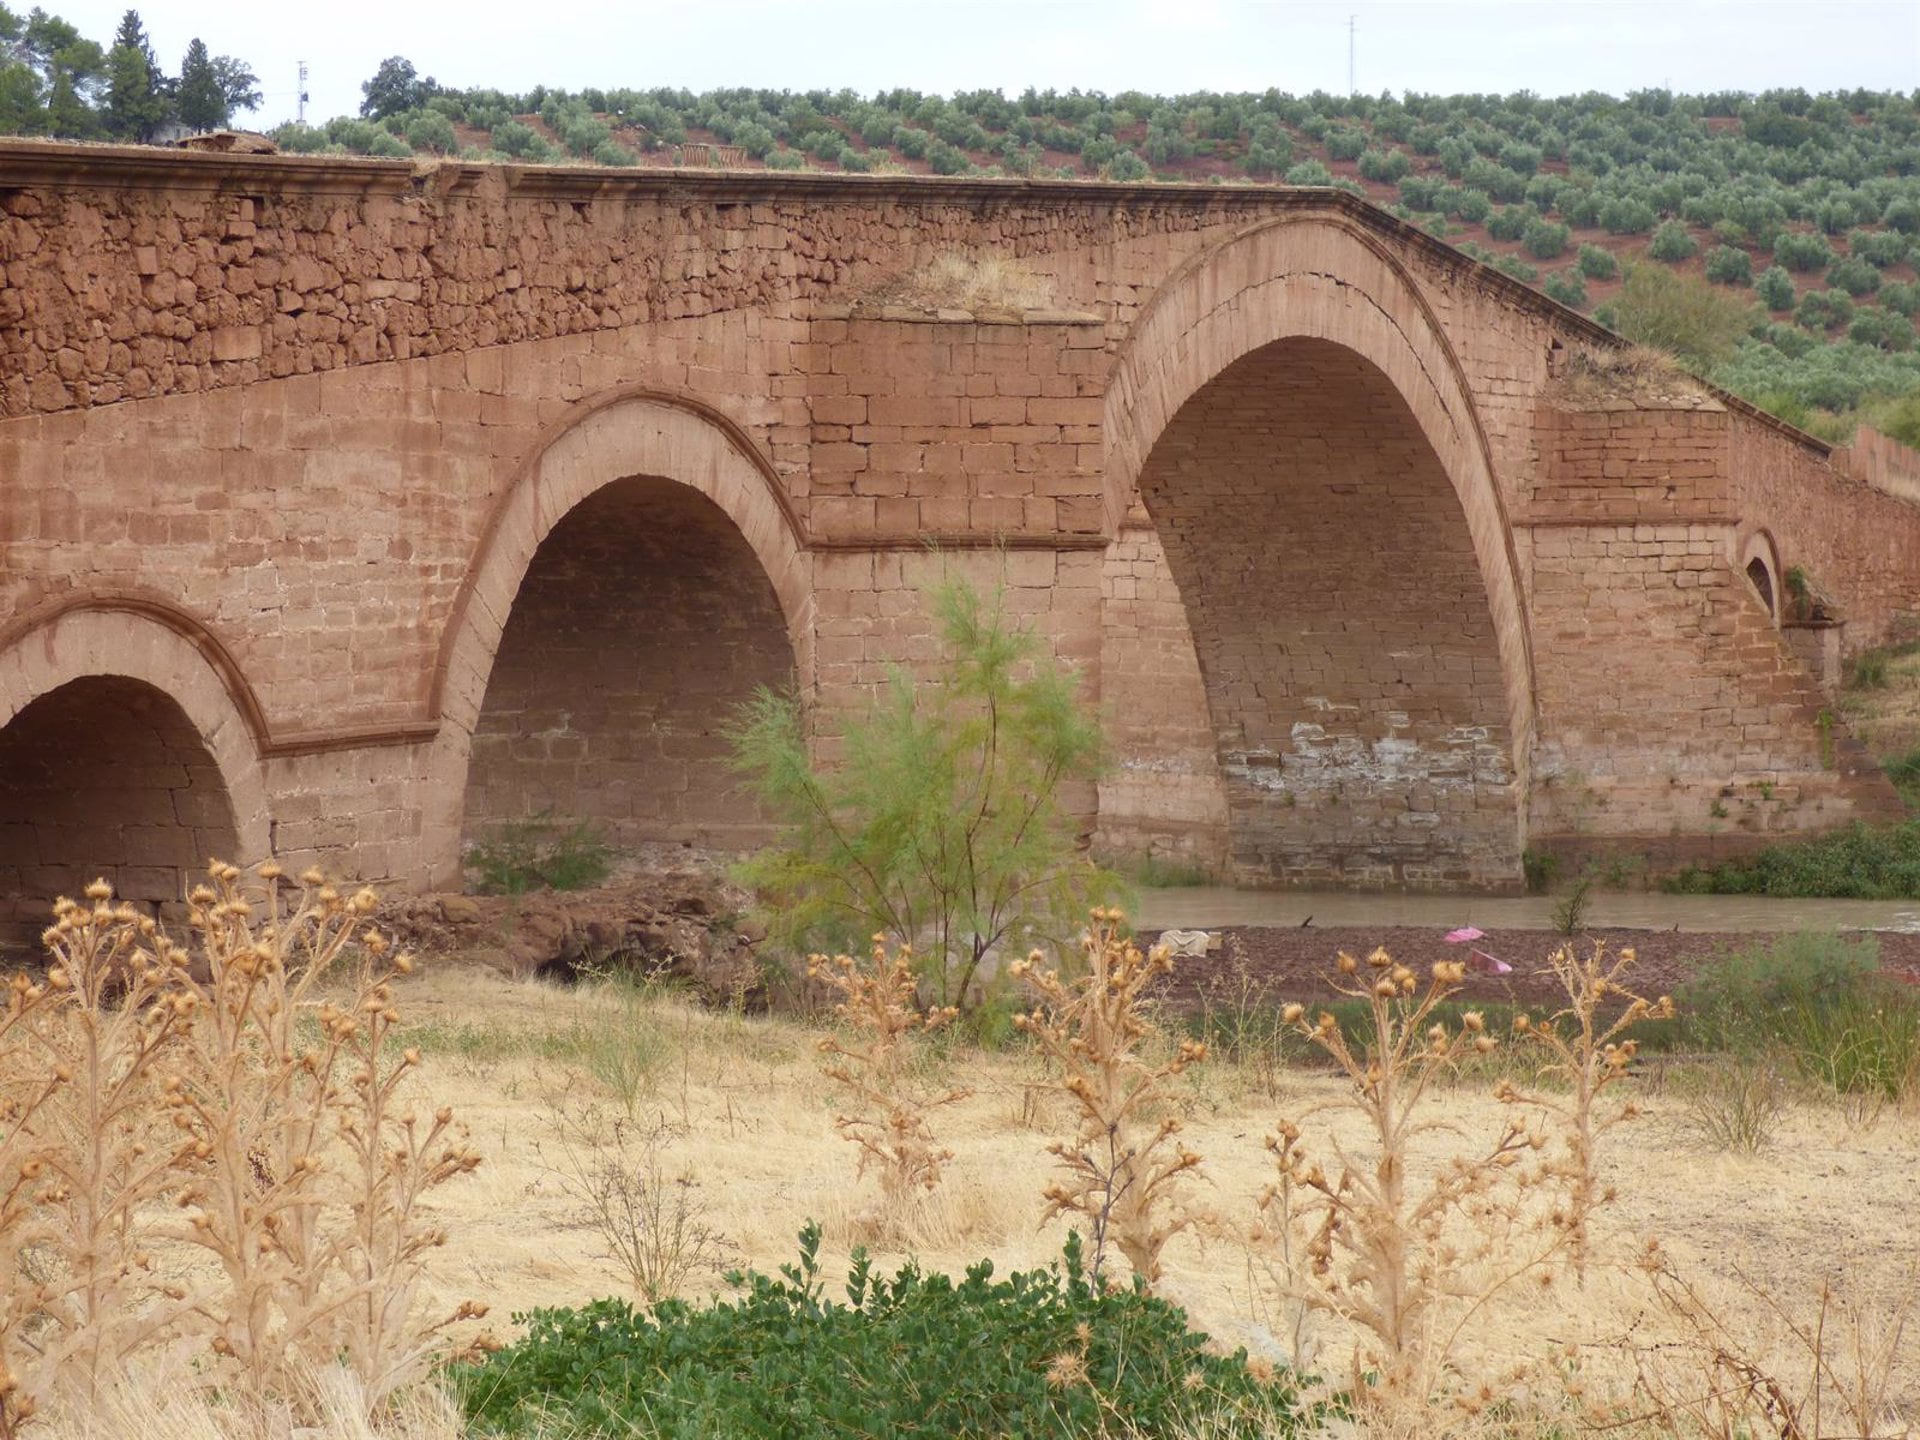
(944, 825)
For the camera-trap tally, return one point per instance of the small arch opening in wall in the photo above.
(1762, 581)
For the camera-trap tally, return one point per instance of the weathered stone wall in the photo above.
(1856, 543)
(293, 439)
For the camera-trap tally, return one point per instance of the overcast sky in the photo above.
(1164, 46)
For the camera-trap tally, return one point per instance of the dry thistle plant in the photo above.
(1123, 1169)
(879, 1002)
(1590, 1053)
(128, 1083)
(82, 1052)
(1387, 1257)
(313, 1169)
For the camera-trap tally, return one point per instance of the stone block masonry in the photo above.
(365, 505)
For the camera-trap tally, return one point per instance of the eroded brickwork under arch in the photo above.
(1341, 624)
(642, 623)
(105, 776)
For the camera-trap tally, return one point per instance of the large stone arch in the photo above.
(629, 447)
(1296, 348)
(174, 725)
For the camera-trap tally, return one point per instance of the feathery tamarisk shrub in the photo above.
(1123, 1169)
(878, 1001)
(1586, 1045)
(1406, 1267)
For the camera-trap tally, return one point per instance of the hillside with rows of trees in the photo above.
(1770, 241)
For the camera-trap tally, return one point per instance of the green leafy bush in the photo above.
(1824, 309)
(1546, 239)
(1857, 863)
(1673, 242)
(1730, 265)
(1597, 262)
(1686, 317)
(1881, 329)
(1626, 215)
(1510, 222)
(1802, 252)
(1823, 1000)
(1878, 247)
(1567, 287)
(1042, 1353)
(1855, 276)
(1516, 267)
(1775, 288)
(1309, 172)
(539, 854)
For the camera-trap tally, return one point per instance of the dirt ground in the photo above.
(545, 1076)
(1294, 963)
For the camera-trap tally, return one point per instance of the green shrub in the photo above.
(1516, 267)
(1901, 297)
(1345, 144)
(520, 141)
(1882, 329)
(1510, 222)
(1309, 172)
(1855, 276)
(1824, 309)
(430, 130)
(1567, 287)
(1802, 252)
(1626, 215)
(946, 824)
(1857, 863)
(539, 854)
(1597, 262)
(1673, 242)
(1730, 265)
(1043, 1353)
(1903, 215)
(1546, 239)
(1878, 247)
(1904, 772)
(1821, 999)
(1686, 317)
(1385, 166)
(1775, 288)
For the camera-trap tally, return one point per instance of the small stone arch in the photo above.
(634, 442)
(1760, 563)
(116, 659)
(1281, 300)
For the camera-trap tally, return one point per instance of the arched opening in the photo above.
(1762, 583)
(1342, 624)
(642, 621)
(106, 776)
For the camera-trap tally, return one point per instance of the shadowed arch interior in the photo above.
(106, 776)
(1342, 626)
(644, 619)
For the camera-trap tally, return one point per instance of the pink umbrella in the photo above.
(1478, 959)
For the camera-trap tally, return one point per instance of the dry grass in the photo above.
(956, 281)
(1630, 372)
(754, 1129)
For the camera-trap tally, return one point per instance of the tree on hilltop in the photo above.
(70, 69)
(395, 87)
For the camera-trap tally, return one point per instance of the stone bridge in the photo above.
(349, 508)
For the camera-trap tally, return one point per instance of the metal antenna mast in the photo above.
(303, 92)
(1351, 19)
